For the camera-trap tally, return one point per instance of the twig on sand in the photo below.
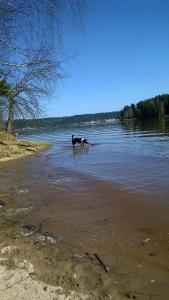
(31, 229)
(16, 282)
(106, 268)
(145, 294)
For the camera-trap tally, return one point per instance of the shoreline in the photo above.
(72, 236)
(24, 155)
(11, 148)
(35, 264)
(60, 261)
(4, 159)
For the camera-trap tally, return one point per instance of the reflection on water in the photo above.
(80, 150)
(156, 125)
(133, 154)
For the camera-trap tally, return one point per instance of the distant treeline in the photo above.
(54, 122)
(150, 108)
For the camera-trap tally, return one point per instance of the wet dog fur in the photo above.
(79, 140)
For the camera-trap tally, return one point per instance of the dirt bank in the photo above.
(11, 148)
(38, 266)
(38, 262)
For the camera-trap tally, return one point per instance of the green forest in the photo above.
(155, 107)
(63, 121)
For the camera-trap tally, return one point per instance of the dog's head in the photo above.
(72, 137)
(85, 141)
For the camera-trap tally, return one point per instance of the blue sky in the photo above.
(123, 57)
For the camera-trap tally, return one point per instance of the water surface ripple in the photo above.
(134, 155)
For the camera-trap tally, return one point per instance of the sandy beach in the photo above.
(97, 241)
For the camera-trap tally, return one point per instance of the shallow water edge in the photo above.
(59, 219)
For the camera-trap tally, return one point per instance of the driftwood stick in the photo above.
(13, 284)
(106, 268)
(146, 294)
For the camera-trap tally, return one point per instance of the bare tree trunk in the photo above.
(10, 116)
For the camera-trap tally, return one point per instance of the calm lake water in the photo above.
(133, 155)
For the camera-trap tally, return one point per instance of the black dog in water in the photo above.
(79, 141)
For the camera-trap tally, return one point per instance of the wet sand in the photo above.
(84, 234)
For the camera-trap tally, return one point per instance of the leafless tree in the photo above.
(33, 24)
(31, 49)
(33, 84)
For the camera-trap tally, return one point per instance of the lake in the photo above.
(109, 198)
(134, 155)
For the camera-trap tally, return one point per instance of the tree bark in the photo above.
(10, 116)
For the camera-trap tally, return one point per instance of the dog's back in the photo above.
(78, 140)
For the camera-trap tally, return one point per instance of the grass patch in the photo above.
(9, 146)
